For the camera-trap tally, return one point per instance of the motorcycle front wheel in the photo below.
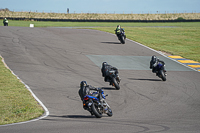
(96, 110)
(115, 83)
(122, 40)
(163, 75)
(109, 112)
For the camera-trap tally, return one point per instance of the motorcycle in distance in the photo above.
(5, 22)
(122, 36)
(113, 79)
(96, 104)
(160, 71)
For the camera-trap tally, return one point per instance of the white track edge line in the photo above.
(45, 109)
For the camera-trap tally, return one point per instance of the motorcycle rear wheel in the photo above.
(96, 111)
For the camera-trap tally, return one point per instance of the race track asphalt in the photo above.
(53, 62)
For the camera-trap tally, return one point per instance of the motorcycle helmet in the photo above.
(153, 59)
(104, 63)
(118, 26)
(83, 83)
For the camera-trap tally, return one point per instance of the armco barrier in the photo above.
(99, 20)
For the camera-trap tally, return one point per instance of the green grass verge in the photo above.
(96, 24)
(16, 102)
(183, 40)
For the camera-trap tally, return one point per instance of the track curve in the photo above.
(53, 61)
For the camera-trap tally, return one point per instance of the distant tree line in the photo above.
(6, 9)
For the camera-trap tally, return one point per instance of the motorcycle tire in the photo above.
(96, 111)
(115, 83)
(163, 75)
(122, 40)
(109, 112)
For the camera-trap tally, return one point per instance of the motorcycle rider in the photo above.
(105, 71)
(85, 89)
(98, 93)
(5, 22)
(118, 31)
(154, 62)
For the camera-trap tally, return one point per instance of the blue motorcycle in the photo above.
(96, 104)
(160, 71)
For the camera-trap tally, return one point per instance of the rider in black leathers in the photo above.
(106, 68)
(118, 31)
(5, 22)
(154, 62)
(85, 89)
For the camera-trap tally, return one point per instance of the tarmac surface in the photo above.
(53, 62)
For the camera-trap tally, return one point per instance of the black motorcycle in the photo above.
(96, 104)
(113, 79)
(121, 36)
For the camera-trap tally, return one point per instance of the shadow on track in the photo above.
(53, 117)
(145, 79)
(111, 42)
(72, 116)
(108, 88)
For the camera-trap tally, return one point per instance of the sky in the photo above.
(103, 6)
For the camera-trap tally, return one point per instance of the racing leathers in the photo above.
(5, 22)
(154, 62)
(105, 71)
(118, 31)
(85, 89)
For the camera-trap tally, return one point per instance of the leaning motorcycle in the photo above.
(5, 23)
(114, 79)
(122, 36)
(96, 104)
(160, 71)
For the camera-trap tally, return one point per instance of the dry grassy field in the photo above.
(95, 16)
